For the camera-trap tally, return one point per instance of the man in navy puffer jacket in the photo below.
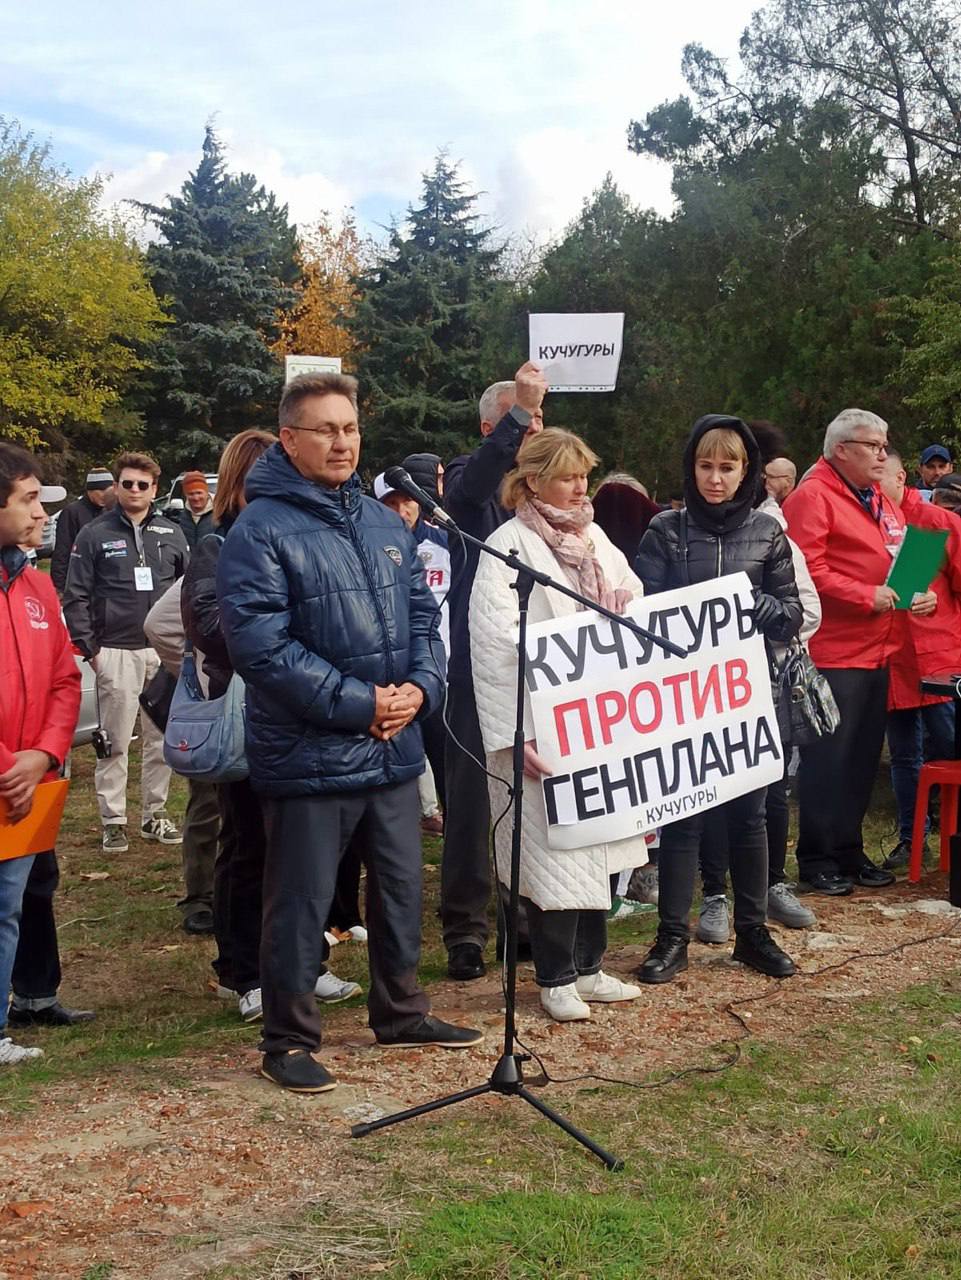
(330, 622)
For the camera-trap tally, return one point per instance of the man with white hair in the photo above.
(849, 532)
(509, 411)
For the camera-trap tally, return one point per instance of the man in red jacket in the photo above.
(929, 646)
(39, 692)
(849, 532)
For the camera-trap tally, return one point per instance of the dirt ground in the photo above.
(176, 1168)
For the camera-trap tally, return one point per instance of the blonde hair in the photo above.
(721, 442)
(236, 460)
(550, 453)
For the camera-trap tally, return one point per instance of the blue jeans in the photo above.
(14, 873)
(906, 745)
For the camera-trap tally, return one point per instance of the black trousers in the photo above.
(677, 864)
(201, 847)
(238, 886)
(716, 842)
(435, 748)
(837, 776)
(565, 945)
(465, 879)
(306, 838)
(36, 966)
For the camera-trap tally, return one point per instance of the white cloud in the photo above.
(331, 105)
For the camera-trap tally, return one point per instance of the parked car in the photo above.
(88, 721)
(174, 500)
(45, 550)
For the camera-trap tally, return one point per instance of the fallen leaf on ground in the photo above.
(94, 875)
(24, 1208)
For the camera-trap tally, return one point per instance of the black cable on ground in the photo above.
(731, 1009)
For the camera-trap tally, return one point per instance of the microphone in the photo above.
(400, 479)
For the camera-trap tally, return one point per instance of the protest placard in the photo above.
(637, 738)
(296, 365)
(578, 352)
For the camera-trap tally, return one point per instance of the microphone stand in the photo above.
(507, 1077)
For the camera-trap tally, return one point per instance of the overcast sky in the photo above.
(346, 104)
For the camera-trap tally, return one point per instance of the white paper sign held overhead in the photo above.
(578, 352)
(296, 365)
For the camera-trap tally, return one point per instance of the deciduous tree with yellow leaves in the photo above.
(331, 256)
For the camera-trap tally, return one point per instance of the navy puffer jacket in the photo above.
(322, 596)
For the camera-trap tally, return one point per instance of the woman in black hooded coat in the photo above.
(719, 532)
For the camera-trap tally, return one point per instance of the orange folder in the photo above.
(37, 832)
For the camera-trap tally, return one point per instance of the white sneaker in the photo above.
(331, 989)
(564, 1004)
(250, 1006)
(604, 989)
(11, 1054)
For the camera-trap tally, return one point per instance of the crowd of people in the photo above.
(377, 658)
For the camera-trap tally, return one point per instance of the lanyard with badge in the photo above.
(142, 574)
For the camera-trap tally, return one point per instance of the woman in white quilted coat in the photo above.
(566, 892)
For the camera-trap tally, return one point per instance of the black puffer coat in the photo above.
(322, 596)
(200, 609)
(728, 537)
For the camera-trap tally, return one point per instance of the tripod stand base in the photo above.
(506, 1078)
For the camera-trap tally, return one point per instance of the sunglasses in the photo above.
(142, 485)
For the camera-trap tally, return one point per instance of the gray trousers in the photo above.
(306, 838)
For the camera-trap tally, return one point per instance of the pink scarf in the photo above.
(565, 532)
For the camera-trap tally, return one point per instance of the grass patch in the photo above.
(818, 1160)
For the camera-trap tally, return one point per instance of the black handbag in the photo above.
(156, 695)
(805, 705)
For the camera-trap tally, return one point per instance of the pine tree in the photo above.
(223, 269)
(420, 325)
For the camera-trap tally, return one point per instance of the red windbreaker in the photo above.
(929, 646)
(39, 678)
(849, 554)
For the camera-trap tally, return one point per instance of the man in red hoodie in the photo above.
(930, 646)
(849, 532)
(39, 692)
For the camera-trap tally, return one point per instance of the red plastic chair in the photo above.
(945, 774)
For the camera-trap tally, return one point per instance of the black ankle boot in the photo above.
(756, 947)
(667, 957)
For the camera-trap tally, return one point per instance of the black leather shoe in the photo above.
(756, 948)
(872, 877)
(667, 957)
(465, 962)
(298, 1071)
(200, 923)
(54, 1015)
(900, 856)
(433, 1032)
(831, 886)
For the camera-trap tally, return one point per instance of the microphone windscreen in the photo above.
(396, 477)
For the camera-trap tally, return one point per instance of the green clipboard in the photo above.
(916, 564)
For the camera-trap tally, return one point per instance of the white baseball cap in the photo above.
(52, 493)
(382, 488)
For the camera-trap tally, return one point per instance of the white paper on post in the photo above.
(638, 738)
(578, 352)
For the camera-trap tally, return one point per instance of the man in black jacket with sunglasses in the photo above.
(120, 565)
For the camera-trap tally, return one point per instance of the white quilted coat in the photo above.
(554, 879)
